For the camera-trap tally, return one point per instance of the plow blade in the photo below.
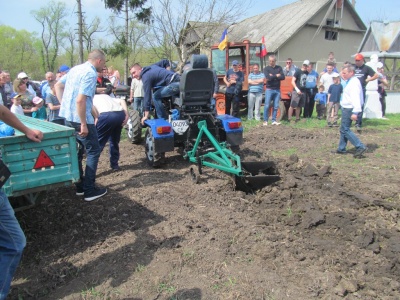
(256, 175)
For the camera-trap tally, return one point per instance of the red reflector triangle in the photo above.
(43, 161)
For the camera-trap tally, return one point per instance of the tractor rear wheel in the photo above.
(134, 128)
(153, 158)
(280, 114)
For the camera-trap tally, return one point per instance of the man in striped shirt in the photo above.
(256, 83)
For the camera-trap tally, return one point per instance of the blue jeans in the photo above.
(274, 95)
(164, 92)
(12, 244)
(109, 127)
(138, 105)
(346, 135)
(90, 143)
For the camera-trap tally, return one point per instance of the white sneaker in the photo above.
(276, 123)
(265, 124)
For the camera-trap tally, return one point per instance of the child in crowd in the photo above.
(320, 100)
(16, 107)
(334, 93)
(52, 102)
(39, 111)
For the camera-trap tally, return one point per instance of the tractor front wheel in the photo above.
(153, 159)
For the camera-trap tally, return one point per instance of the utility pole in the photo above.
(80, 31)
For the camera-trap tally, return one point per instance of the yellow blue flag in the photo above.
(223, 42)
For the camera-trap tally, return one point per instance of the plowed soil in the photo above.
(329, 229)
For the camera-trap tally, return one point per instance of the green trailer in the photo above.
(36, 167)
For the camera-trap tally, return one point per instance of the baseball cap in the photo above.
(334, 75)
(63, 68)
(15, 95)
(306, 62)
(37, 100)
(359, 56)
(235, 63)
(379, 65)
(22, 75)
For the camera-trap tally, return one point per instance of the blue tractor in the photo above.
(205, 139)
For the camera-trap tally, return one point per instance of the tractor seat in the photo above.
(197, 82)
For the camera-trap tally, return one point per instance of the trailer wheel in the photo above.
(134, 128)
(153, 159)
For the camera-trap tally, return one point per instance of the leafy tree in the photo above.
(19, 52)
(206, 18)
(124, 7)
(51, 17)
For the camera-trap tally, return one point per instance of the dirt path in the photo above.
(329, 229)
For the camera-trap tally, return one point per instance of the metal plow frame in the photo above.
(253, 176)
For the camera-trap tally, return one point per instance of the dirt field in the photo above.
(329, 229)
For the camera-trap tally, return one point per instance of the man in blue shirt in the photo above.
(233, 80)
(311, 91)
(164, 81)
(76, 89)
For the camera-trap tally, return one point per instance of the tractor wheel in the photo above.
(134, 128)
(220, 104)
(280, 114)
(153, 159)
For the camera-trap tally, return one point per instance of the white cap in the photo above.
(22, 75)
(306, 62)
(379, 65)
(334, 74)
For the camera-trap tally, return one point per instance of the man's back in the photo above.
(81, 79)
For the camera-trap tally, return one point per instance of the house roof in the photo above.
(280, 24)
(382, 36)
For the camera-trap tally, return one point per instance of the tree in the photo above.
(141, 13)
(208, 18)
(71, 37)
(19, 52)
(51, 17)
(89, 31)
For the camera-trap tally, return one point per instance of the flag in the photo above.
(223, 42)
(263, 48)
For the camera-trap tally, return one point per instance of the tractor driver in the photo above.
(165, 82)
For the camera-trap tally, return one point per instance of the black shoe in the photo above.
(330, 124)
(360, 152)
(338, 152)
(95, 194)
(79, 191)
(335, 124)
(358, 128)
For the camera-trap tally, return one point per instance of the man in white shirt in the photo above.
(351, 104)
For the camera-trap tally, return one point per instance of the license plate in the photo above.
(180, 126)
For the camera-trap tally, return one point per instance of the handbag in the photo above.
(4, 173)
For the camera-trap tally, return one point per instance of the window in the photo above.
(332, 23)
(331, 35)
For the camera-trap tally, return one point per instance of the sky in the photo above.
(17, 13)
